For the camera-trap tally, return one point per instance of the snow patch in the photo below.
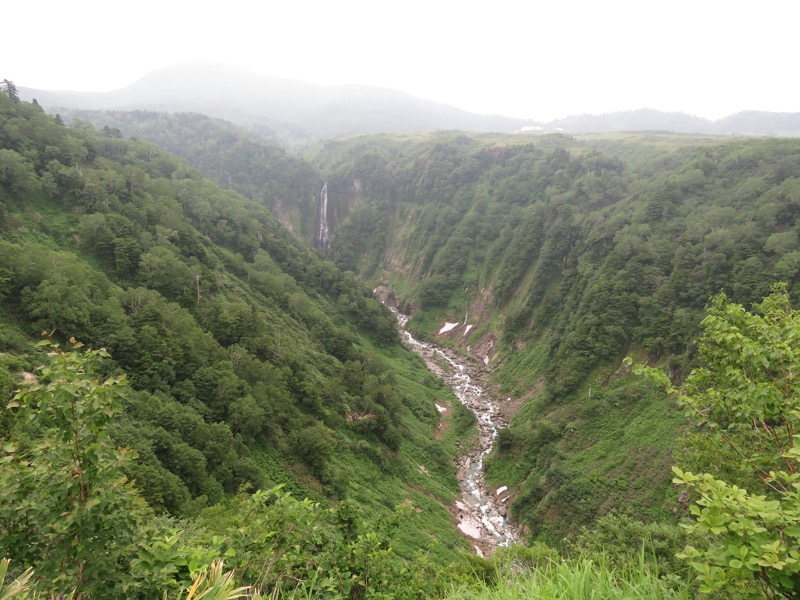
(441, 409)
(466, 330)
(448, 327)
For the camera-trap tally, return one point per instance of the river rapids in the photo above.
(480, 511)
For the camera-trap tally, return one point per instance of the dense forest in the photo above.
(209, 387)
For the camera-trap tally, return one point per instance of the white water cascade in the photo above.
(481, 514)
(323, 235)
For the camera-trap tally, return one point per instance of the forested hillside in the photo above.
(250, 360)
(564, 255)
(250, 163)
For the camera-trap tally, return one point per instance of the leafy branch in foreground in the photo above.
(66, 507)
(745, 402)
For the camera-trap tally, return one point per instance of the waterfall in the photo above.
(323, 235)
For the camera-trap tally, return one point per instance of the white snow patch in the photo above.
(441, 409)
(501, 489)
(448, 327)
(466, 330)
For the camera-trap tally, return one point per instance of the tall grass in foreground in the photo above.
(577, 579)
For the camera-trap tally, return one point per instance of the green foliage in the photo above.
(745, 399)
(286, 546)
(472, 571)
(434, 291)
(214, 584)
(753, 538)
(624, 540)
(66, 496)
(315, 444)
(65, 493)
(607, 451)
(7, 385)
(361, 240)
(11, 91)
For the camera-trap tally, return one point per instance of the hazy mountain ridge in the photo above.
(751, 122)
(298, 110)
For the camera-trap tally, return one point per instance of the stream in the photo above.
(480, 512)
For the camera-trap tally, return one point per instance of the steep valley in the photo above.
(565, 254)
(255, 356)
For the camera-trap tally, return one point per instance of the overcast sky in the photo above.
(531, 59)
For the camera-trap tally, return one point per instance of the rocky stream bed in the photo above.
(480, 512)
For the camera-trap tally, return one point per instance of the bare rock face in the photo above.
(390, 299)
(385, 295)
(484, 349)
(405, 307)
(28, 377)
(283, 215)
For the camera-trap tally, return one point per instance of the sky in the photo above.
(529, 59)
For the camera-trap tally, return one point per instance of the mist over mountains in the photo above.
(750, 122)
(298, 112)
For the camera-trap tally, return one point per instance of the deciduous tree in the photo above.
(66, 507)
(745, 401)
